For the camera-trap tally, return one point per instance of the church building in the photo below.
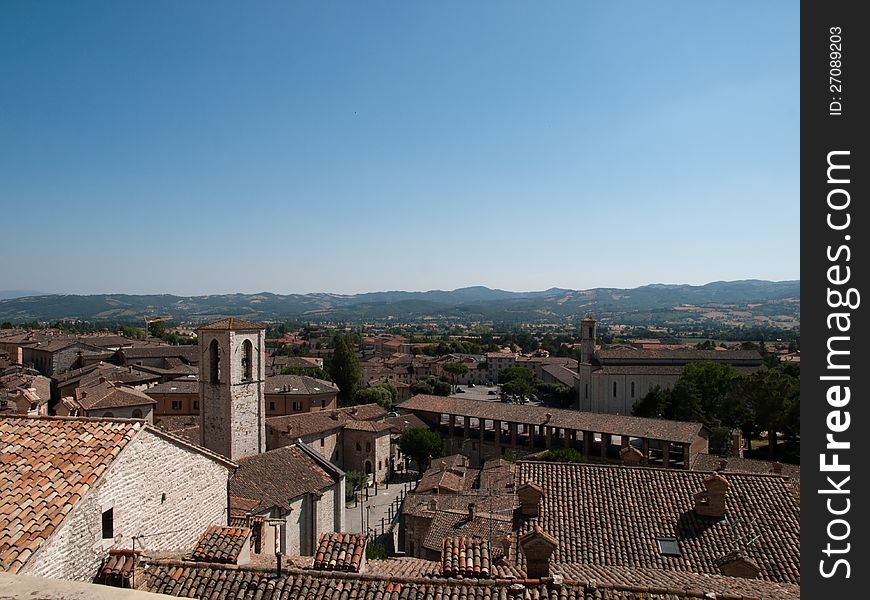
(611, 380)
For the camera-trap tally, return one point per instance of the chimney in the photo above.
(547, 418)
(631, 456)
(737, 443)
(334, 415)
(736, 564)
(433, 504)
(507, 548)
(530, 496)
(711, 501)
(777, 468)
(289, 429)
(723, 464)
(471, 510)
(538, 546)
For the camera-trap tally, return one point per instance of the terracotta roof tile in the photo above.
(340, 552)
(228, 581)
(613, 515)
(465, 557)
(278, 476)
(233, 324)
(46, 466)
(221, 544)
(659, 429)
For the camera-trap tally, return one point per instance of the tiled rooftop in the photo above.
(340, 552)
(465, 557)
(278, 476)
(613, 515)
(46, 466)
(233, 324)
(218, 582)
(658, 429)
(292, 385)
(309, 423)
(221, 544)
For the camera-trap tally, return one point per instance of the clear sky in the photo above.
(210, 147)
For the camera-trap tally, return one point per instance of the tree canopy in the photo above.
(345, 370)
(421, 445)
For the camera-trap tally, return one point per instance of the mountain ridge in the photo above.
(780, 299)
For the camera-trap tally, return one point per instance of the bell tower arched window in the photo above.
(214, 362)
(247, 360)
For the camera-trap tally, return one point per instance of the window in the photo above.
(176, 405)
(368, 446)
(614, 389)
(297, 406)
(108, 524)
(323, 403)
(668, 546)
(632, 389)
(379, 465)
(358, 447)
(196, 405)
(586, 391)
(322, 441)
(248, 360)
(214, 362)
(271, 406)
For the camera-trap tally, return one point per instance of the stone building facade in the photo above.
(367, 448)
(123, 479)
(612, 380)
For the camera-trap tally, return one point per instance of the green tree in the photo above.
(568, 455)
(421, 445)
(653, 405)
(345, 370)
(774, 397)
(422, 387)
(375, 395)
(354, 480)
(456, 369)
(311, 371)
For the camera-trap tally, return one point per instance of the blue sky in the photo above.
(212, 147)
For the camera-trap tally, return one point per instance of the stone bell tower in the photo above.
(588, 333)
(232, 376)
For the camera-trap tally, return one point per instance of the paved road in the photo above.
(371, 511)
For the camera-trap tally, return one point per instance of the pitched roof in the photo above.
(459, 523)
(321, 421)
(105, 394)
(639, 505)
(176, 578)
(298, 385)
(676, 355)
(232, 324)
(46, 466)
(278, 476)
(221, 544)
(465, 557)
(340, 551)
(175, 386)
(658, 429)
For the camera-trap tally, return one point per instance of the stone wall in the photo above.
(164, 491)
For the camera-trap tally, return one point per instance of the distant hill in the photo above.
(6, 294)
(749, 301)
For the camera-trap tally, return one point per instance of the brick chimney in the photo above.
(631, 456)
(737, 443)
(737, 564)
(507, 548)
(530, 495)
(471, 508)
(776, 468)
(538, 546)
(710, 502)
(433, 504)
